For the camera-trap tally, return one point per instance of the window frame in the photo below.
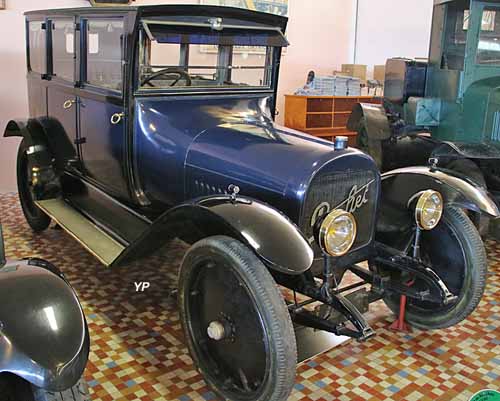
(50, 26)
(477, 64)
(29, 68)
(273, 57)
(84, 19)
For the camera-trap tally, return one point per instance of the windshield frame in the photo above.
(273, 56)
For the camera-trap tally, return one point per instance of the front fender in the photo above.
(375, 120)
(456, 150)
(43, 333)
(269, 233)
(398, 186)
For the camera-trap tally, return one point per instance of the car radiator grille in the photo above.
(353, 191)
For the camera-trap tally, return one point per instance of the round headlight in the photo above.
(337, 232)
(429, 209)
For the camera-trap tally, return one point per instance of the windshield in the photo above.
(488, 51)
(183, 57)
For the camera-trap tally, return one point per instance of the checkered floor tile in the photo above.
(138, 350)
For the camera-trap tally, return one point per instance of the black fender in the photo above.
(375, 120)
(32, 131)
(270, 234)
(400, 186)
(462, 150)
(43, 333)
(45, 147)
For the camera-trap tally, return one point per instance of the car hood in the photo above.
(267, 161)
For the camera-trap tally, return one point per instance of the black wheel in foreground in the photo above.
(35, 217)
(237, 325)
(455, 251)
(13, 388)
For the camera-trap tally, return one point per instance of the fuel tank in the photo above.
(43, 333)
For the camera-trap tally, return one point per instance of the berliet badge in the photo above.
(356, 199)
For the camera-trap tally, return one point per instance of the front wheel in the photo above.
(455, 251)
(237, 325)
(13, 388)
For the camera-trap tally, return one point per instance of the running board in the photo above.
(95, 240)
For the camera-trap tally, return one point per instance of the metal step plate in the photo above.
(95, 240)
(311, 342)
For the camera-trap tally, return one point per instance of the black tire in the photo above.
(455, 251)
(36, 218)
(13, 388)
(79, 392)
(372, 147)
(221, 280)
(471, 170)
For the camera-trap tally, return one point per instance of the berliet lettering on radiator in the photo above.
(125, 152)
(357, 198)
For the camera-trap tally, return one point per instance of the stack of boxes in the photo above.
(337, 85)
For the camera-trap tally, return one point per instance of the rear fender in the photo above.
(399, 186)
(44, 337)
(270, 234)
(35, 138)
(374, 119)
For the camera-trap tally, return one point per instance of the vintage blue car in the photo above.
(44, 339)
(156, 122)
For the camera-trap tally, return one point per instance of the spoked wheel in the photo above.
(237, 325)
(455, 251)
(35, 217)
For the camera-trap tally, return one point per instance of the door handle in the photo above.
(117, 118)
(68, 104)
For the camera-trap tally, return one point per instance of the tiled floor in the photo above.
(138, 352)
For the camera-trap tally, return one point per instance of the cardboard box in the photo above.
(355, 70)
(379, 73)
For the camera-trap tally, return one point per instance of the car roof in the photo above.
(172, 9)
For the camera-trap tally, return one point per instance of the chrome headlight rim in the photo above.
(326, 225)
(422, 204)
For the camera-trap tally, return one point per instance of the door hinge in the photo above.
(80, 141)
(44, 25)
(78, 26)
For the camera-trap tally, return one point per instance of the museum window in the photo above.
(37, 47)
(63, 49)
(105, 53)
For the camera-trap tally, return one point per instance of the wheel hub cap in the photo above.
(216, 331)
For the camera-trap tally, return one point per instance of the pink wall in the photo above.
(393, 28)
(321, 38)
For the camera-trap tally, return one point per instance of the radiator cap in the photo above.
(341, 142)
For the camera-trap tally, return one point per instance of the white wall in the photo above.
(392, 28)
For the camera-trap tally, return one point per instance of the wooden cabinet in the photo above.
(323, 116)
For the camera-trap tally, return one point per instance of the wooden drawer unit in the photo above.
(323, 116)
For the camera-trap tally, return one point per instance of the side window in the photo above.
(63, 49)
(37, 47)
(104, 53)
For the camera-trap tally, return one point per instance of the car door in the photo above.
(102, 109)
(62, 99)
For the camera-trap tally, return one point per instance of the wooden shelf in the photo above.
(323, 116)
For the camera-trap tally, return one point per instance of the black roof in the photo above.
(172, 9)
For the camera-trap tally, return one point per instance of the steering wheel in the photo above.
(166, 71)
